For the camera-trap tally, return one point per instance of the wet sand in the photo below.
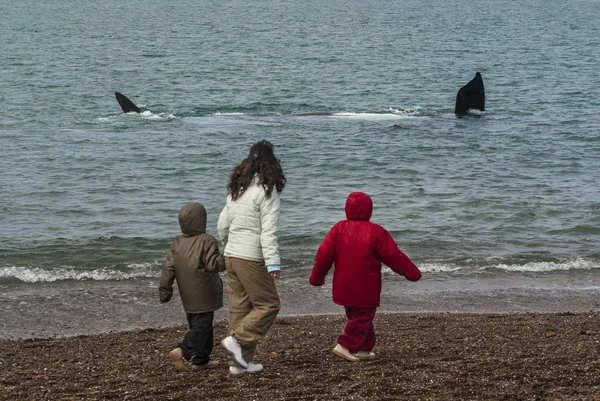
(66, 309)
(423, 356)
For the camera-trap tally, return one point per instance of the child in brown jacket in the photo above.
(194, 261)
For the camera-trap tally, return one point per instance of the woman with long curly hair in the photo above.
(248, 228)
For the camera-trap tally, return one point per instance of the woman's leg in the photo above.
(259, 295)
(239, 302)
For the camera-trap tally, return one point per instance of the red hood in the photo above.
(359, 206)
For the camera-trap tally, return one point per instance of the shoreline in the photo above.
(62, 310)
(423, 356)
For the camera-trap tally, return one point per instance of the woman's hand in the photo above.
(275, 270)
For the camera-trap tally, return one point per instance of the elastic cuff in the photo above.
(272, 268)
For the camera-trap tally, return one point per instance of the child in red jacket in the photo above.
(358, 247)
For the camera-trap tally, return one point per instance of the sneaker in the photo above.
(252, 368)
(208, 365)
(234, 349)
(365, 355)
(176, 356)
(343, 352)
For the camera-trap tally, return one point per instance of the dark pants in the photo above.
(359, 334)
(198, 341)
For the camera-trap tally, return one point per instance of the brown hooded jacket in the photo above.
(195, 261)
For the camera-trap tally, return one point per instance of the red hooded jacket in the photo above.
(358, 247)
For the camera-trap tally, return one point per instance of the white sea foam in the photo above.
(39, 275)
(409, 111)
(438, 268)
(147, 114)
(373, 116)
(536, 267)
(218, 113)
(476, 112)
(540, 267)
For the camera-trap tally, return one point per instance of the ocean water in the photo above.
(506, 199)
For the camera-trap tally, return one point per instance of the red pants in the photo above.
(359, 334)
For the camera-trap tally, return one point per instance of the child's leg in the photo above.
(198, 341)
(369, 343)
(190, 318)
(359, 331)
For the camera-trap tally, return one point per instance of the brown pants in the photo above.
(253, 303)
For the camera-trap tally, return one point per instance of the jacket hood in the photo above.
(359, 206)
(192, 219)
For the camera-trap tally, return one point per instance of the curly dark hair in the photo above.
(262, 163)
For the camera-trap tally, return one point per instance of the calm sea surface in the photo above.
(90, 193)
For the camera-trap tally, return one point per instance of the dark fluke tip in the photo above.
(126, 105)
(471, 96)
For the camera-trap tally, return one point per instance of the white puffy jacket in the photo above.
(248, 226)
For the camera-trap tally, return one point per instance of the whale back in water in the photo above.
(470, 97)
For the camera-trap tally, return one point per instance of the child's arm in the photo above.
(165, 288)
(324, 259)
(388, 252)
(223, 225)
(213, 260)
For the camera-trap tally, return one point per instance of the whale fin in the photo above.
(127, 105)
(470, 96)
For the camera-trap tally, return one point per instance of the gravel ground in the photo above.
(422, 356)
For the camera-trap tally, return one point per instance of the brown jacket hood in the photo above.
(192, 219)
